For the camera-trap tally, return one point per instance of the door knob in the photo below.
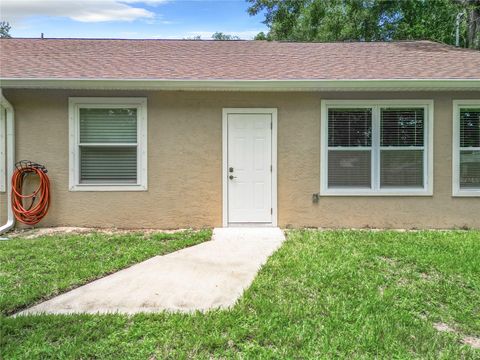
(230, 169)
(231, 177)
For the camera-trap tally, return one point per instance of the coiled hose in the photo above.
(39, 199)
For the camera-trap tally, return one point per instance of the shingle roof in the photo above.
(233, 60)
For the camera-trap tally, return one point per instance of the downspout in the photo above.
(10, 163)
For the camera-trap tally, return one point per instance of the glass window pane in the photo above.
(349, 169)
(349, 127)
(402, 127)
(401, 168)
(469, 169)
(470, 128)
(112, 165)
(108, 125)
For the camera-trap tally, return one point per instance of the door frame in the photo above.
(225, 112)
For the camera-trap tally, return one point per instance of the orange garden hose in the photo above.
(30, 209)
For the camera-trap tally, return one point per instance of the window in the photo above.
(349, 148)
(108, 149)
(466, 148)
(377, 148)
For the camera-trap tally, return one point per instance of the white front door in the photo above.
(249, 167)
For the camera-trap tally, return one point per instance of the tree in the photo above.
(472, 13)
(5, 29)
(261, 36)
(369, 20)
(222, 36)
(196, 37)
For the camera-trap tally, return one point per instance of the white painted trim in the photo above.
(456, 191)
(224, 167)
(274, 113)
(74, 104)
(3, 158)
(274, 167)
(369, 103)
(244, 85)
(375, 190)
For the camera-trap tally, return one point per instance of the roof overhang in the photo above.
(244, 85)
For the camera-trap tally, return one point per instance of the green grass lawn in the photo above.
(39, 268)
(334, 294)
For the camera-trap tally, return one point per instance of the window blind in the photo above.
(402, 137)
(470, 148)
(470, 128)
(402, 127)
(349, 154)
(108, 164)
(470, 169)
(108, 145)
(108, 125)
(350, 127)
(349, 169)
(401, 168)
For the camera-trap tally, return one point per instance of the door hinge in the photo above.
(271, 211)
(271, 125)
(271, 168)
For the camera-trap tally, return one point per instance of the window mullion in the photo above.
(402, 148)
(349, 148)
(109, 144)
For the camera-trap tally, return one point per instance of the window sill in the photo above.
(466, 193)
(101, 188)
(370, 193)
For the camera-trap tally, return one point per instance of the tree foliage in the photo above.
(261, 36)
(222, 36)
(196, 37)
(5, 29)
(369, 20)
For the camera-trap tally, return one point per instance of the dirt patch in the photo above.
(389, 261)
(474, 342)
(431, 276)
(402, 282)
(65, 230)
(442, 327)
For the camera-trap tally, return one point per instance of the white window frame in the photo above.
(375, 189)
(74, 106)
(456, 190)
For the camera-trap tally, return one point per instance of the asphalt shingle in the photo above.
(233, 60)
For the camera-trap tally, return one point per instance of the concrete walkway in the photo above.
(210, 275)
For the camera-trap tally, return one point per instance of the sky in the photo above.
(144, 19)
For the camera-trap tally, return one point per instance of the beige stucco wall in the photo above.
(184, 164)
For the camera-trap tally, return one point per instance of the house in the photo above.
(175, 134)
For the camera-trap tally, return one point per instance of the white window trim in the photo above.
(74, 105)
(456, 190)
(375, 190)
